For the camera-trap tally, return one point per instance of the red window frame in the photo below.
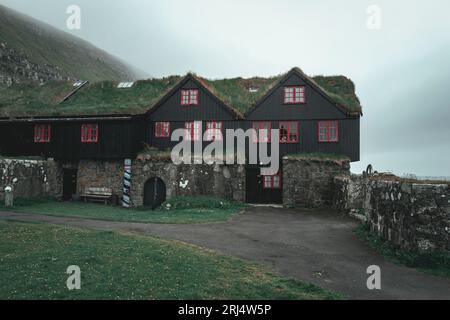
(187, 97)
(272, 182)
(89, 133)
(162, 129)
(295, 99)
(42, 133)
(211, 132)
(328, 126)
(289, 128)
(260, 125)
(190, 134)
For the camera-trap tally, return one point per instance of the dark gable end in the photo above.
(210, 106)
(319, 105)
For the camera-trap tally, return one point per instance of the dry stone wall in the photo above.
(31, 178)
(309, 182)
(410, 215)
(224, 181)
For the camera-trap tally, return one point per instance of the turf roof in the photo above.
(34, 99)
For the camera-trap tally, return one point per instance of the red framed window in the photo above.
(189, 97)
(262, 131)
(328, 131)
(193, 130)
(272, 182)
(214, 131)
(89, 133)
(288, 131)
(42, 133)
(162, 129)
(295, 95)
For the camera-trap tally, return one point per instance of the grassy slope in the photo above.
(43, 44)
(115, 266)
(435, 263)
(183, 210)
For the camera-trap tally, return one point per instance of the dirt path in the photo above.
(317, 247)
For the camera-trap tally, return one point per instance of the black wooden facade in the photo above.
(119, 137)
(123, 136)
(270, 108)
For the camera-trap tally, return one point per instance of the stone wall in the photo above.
(309, 182)
(31, 178)
(408, 214)
(224, 181)
(107, 174)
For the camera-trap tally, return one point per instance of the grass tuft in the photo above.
(183, 210)
(435, 262)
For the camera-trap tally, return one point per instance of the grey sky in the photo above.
(401, 72)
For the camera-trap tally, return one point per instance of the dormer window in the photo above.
(294, 95)
(189, 97)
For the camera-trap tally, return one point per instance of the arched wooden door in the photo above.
(154, 192)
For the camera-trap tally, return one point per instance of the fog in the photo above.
(401, 71)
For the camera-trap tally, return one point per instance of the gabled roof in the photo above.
(346, 100)
(104, 98)
(200, 82)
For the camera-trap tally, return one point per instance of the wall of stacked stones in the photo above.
(410, 215)
(31, 178)
(224, 181)
(100, 174)
(309, 182)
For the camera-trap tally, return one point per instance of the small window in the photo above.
(193, 131)
(272, 182)
(262, 129)
(189, 97)
(42, 133)
(328, 131)
(162, 129)
(288, 131)
(214, 131)
(294, 95)
(89, 133)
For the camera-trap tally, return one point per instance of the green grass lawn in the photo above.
(176, 210)
(435, 263)
(34, 259)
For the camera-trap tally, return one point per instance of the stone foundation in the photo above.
(224, 181)
(31, 178)
(309, 182)
(101, 174)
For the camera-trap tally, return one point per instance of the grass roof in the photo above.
(34, 99)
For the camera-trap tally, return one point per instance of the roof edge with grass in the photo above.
(240, 95)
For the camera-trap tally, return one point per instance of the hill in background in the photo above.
(32, 50)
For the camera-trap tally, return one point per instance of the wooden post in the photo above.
(9, 197)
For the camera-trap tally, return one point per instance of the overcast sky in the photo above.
(401, 71)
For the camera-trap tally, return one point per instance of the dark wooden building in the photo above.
(313, 115)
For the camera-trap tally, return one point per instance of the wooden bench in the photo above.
(97, 194)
